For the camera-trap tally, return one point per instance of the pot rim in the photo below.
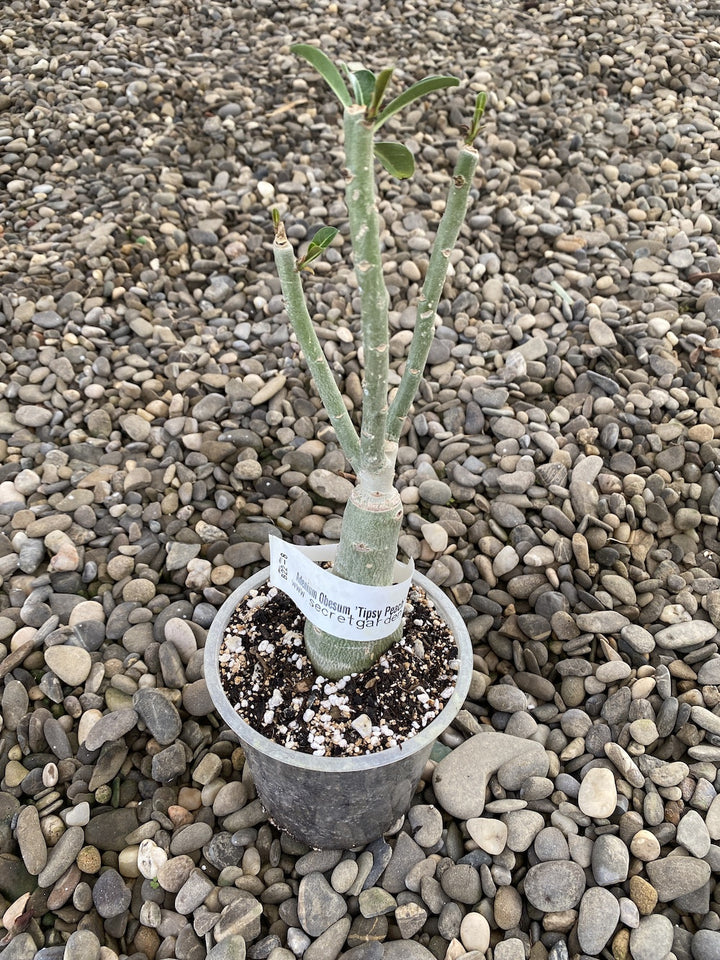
(307, 761)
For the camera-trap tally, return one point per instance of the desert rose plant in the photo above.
(372, 520)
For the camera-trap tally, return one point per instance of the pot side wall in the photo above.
(330, 802)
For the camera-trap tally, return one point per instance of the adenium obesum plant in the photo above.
(373, 515)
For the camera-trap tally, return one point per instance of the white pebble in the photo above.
(475, 932)
(598, 794)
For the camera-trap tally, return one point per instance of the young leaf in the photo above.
(363, 82)
(415, 92)
(379, 92)
(326, 68)
(320, 241)
(323, 237)
(396, 158)
(480, 102)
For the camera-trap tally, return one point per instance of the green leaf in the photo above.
(323, 237)
(379, 92)
(363, 82)
(326, 68)
(396, 158)
(480, 102)
(415, 92)
(321, 241)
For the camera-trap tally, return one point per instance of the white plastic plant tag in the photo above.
(352, 611)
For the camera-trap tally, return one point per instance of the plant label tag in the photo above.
(352, 611)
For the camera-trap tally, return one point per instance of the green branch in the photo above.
(310, 345)
(429, 298)
(374, 301)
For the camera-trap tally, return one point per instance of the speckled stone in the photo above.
(555, 885)
(597, 918)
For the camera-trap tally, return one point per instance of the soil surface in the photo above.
(270, 681)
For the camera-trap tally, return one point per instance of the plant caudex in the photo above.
(373, 515)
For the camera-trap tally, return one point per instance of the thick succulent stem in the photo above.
(373, 516)
(445, 240)
(374, 301)
(310, 345)
(366, 554)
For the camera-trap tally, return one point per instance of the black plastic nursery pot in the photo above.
(336, 802)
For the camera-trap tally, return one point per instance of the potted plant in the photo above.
(355, 610)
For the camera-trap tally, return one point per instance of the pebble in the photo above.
(460, 779)
(475, 932)
(71, 665)
(427, 824)
(610, 860)
(193, 892)
(645, 846)
(705, 944)
(488, 833)
(555, 885)
(404, 950)
(462, 883)
(692, 833)
(598, 916)
(110, 728)
(597, 796)
(395, 865)
(21, 947)
(159, 714)
(33, 847)
(61, 856)
(231, 948)
(679, 636)
(712, 818)
(110, 895)
(319, 906)
(522, 828)
(674, 877)
(643, 894)
(652, 938)
(550, 844)
(507, 908)
(82, 945)
(511, 949)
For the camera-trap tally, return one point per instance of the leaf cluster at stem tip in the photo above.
(368, 90)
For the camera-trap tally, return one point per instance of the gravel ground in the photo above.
(560, 472)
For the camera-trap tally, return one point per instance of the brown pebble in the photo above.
(621, 945)
(673, 811)
(63, 889)
(190, 798)
(507, 907)
(560, 921)
(15, 658)
(644, 895)
(146, 941)
(179, 815)
(89, 860)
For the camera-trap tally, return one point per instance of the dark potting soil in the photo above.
(271, 683)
